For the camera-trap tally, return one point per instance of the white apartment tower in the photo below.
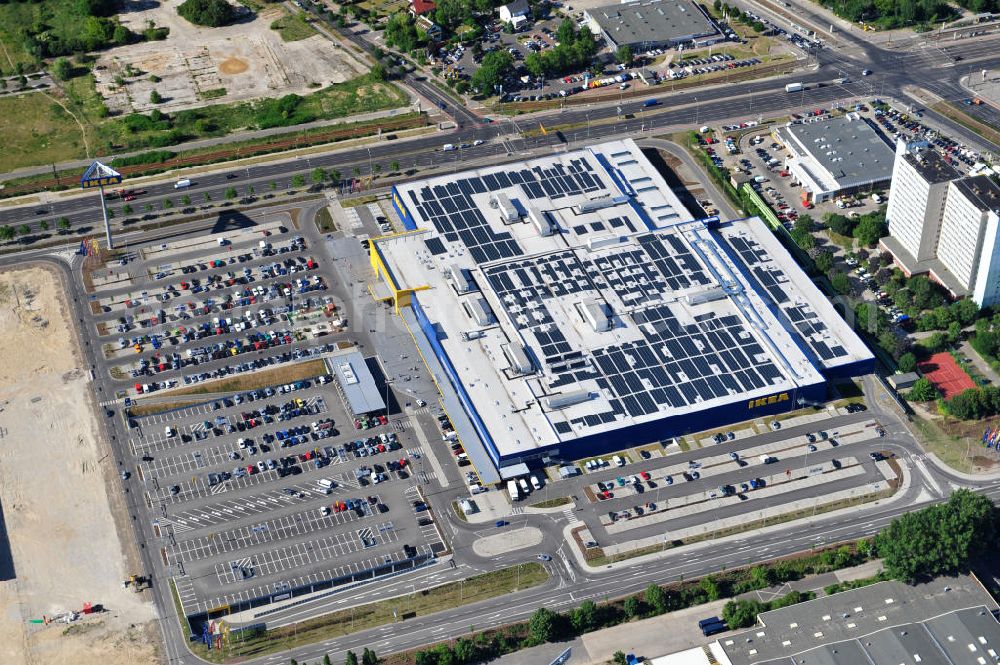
(920, 179)
(944, 224)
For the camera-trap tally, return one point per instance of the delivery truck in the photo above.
(794, 87)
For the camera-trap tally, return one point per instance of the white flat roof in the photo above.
(831, 154)
(689, 329)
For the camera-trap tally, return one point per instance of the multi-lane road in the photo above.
(897, 75)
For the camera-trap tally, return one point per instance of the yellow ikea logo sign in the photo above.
(764, 401)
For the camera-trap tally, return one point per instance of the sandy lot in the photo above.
(247, 59)
(62, 535)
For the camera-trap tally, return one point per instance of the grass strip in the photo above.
(344, 622)
(552, 503)
(251, 381)
(952, 112)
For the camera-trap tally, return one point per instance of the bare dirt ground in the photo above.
(247, 59)
(53, 493)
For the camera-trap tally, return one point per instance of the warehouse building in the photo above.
(835, 157)
(571, 302)
(947, 621)
(650, 24)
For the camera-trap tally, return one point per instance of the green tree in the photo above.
(761, 577)
(710, 587)
(185, 200)
(623, 55)
(840, 282)
(465, 651)
(63, 223)
(335, 176)
(126, 210)
(208, 197)
(584, 618)
(298, 181)
(656, 598)
(494, 68)
(212, 13)
(824, 261)
(870, 229)
(907, 362)
(273, 185)
(326, 659)
(231, 193)
(62, 69)
(940, 539)
(401, 32)
(922, 391)
(43, 225)
(376, 168)
(741, 613)
(368, 657)
(155, 98)
(631, 607)
(619, 658)
(378, 72)
(543, 625)
(394, 166)
(318, 175)
(292, 661)
(23, 230)
(6, 232)
(167, 204)
(350, 658)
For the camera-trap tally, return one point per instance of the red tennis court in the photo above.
(942, 370)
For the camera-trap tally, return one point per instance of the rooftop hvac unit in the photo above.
(518, 359)
(597, 242)
(600, 203)
(541, 222)
(460, 279)
(564, 400)
(596, 313)
(507, 209)
(480, 312)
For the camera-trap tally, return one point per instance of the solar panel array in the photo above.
(804, 320)
(671, 367)
(452, 211)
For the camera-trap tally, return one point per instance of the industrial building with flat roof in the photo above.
(572, 303)
(948, 621)
(834, 157)
(650, 24)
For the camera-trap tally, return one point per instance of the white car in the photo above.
(477, 142)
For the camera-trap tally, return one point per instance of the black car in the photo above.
(856, 408)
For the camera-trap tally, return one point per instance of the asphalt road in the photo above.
(569, 584)
(935, 69)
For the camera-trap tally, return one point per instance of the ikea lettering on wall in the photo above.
(764, 401)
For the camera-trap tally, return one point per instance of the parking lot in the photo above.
(190, 311)
(301, 496)
(276, 487)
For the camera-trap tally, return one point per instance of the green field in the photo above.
(293, 27)
(37, 132)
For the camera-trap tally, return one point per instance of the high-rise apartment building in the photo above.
(944, 224)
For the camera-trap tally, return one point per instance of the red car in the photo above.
(644, 475)
(251, 469)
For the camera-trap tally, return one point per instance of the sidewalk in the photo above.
(671, 632)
